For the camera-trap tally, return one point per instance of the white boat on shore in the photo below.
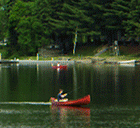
(127, 62)
(128, 65)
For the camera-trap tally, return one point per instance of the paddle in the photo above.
(73, 90)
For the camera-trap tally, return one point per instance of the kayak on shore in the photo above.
(82, 101)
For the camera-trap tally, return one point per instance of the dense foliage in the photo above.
(30, 24)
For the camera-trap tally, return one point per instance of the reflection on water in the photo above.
(24, 116)
(38, 82)
(71, 116)
(115, 116)
(114, 89)
(75, 82)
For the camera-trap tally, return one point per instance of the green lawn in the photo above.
(126, 52)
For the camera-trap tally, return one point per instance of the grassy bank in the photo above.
(81, 53)
(88, 52)
(126, 53)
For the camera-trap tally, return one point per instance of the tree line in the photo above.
(30, 24)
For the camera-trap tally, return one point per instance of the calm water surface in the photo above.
(114, 90)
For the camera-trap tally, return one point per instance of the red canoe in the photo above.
(61, 67)
(83, 101)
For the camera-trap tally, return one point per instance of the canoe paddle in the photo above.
(73, 90)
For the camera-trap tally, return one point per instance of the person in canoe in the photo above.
(58, 64)
(61, 96)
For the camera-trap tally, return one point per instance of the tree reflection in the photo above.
(71, 116)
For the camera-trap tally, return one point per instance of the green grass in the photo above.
(86, 50)
(126, 53)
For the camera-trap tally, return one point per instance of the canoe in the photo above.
(82, 101)
(61, 67)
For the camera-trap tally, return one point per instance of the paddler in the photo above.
(58, 64)
(60, 95)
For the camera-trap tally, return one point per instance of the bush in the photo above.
(15, 55)
(4, 53)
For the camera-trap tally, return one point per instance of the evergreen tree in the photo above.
(33, 23)
(83, 16)
(42, 12)
(3, 19)
(132, 25)
(23, 25)
(115, 14)
(2, 24)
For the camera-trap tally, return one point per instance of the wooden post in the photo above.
(0, 56)
(37, 56)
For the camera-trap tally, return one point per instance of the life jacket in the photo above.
(59, 96)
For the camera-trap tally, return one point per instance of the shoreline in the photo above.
(86, 60)
(43, 61)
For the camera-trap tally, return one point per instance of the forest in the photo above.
(31, 24)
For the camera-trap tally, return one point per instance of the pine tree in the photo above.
(132, 25)
(115, 14)
(21, 29)
(3, 19)
(84, 15)
(43, 12)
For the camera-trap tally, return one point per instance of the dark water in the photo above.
(114, 90)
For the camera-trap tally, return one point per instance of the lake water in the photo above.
(114, 91)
